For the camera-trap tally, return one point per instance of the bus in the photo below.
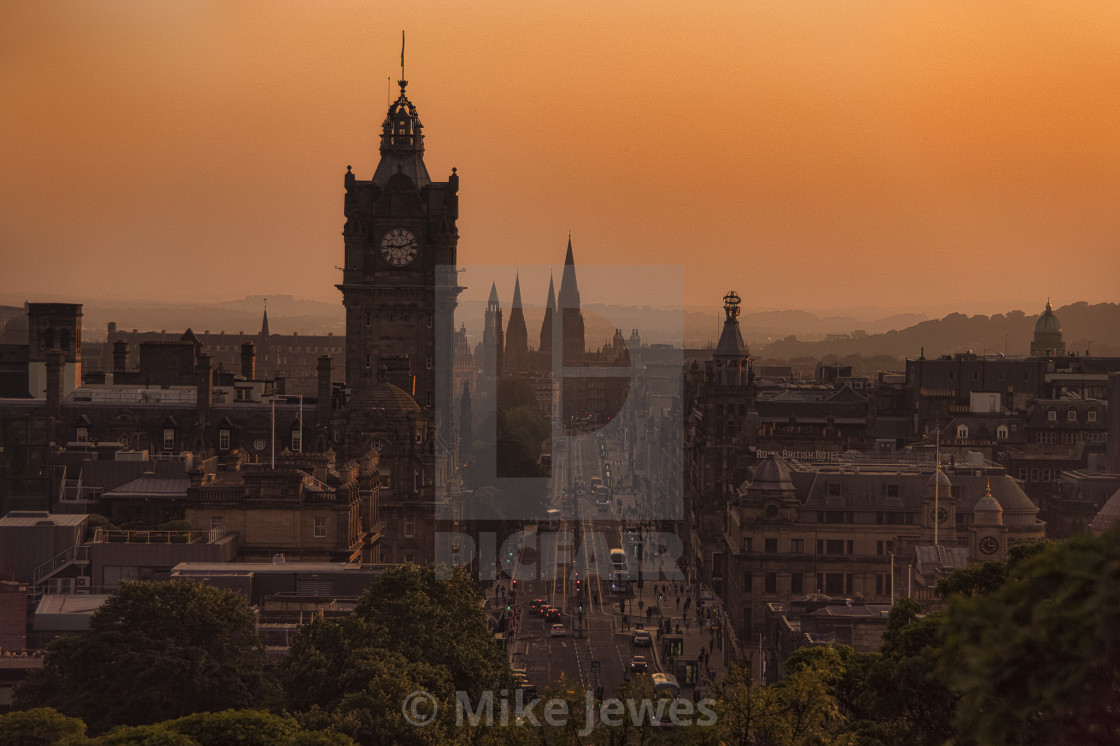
(618, 559)
(665, 685)
(620, 581)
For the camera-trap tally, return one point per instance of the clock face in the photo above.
(942, 515)
(399, 247)
(989, 545)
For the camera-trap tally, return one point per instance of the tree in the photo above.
(42, 726)
(414, 629)
(240, 727)
(1038, 660)
(156, 651)
(905, 697)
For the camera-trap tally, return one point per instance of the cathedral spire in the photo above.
(517, 291)
(546, 325)
(569, 290)
(264, 320)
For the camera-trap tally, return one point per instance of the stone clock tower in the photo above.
(399, 280)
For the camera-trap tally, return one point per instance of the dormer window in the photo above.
(1052, 415)
(223, 439)
(1091, 415)
(1071, 415)
(168, 438)
(962, 432)
(1001, 432)
(82, 434)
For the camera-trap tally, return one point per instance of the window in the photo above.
(1023, 474)
(772, 546)
(834, 583)
(369, 359)
(410, 557)
(410, 525)
(834, 546)
(1091, 415)
(748, 582)
(82, 436)
(892, 490)
(1045, 475)
(369, 317)
(320, 527)
(1052, 415)
(880, 584)
(834, 489)
(1034, 475)
(168, 438)
(771, 582)
(975, 375)
(1001, 432)
(223, 439)
(849, 547)
(428, 399)
(962, 432)
(428, 362)
(797, 546)
(879, 547)
(297, 441)
(1071, 415)
(216, 523)
(795, 583)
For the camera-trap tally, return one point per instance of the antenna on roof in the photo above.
(402, 54)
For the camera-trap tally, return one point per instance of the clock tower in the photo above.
(399, 278)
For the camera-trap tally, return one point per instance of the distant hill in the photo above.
(1095, 328)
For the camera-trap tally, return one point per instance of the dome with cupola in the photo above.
(1048, 339)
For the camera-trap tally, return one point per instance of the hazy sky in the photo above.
(918, 155)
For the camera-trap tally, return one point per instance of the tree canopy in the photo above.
(156, 651)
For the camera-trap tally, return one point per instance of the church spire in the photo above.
(546, 325)
(264, 320)
(569, 290)
(517, 334)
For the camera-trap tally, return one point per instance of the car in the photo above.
(641, 639)
(639, 664)
(542, 610)
(552, 614)
(537, 604)
(558, 630)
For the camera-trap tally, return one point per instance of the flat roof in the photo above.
(42, 518)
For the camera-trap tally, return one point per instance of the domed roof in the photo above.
(385, 396)
(1108, 516)
(1048, 323)
(941, 479)
(771, 474)
(987, 504)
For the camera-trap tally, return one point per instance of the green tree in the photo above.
(228, 728)
(905, 697)
(156, 651)
(1038, 660)
(42, 726)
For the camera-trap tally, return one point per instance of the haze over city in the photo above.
(927, 157)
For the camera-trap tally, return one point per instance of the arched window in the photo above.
(1001, 432)
(962, 432)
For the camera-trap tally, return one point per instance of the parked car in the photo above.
(558, 630)
(641, 639)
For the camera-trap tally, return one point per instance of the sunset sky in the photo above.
(922, 156)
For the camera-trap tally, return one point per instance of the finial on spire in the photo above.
(403, 81)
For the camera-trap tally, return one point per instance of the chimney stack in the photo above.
(323, 404)
(120, 356)
(54, 382)
(248, 361)
(205, 387)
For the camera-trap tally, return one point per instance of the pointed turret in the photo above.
(517, 334)
(731, 357)
(571, 318)
(569, 290)
(402, 144)
(546, 325)
(493, 336)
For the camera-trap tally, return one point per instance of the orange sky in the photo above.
(814, 155)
